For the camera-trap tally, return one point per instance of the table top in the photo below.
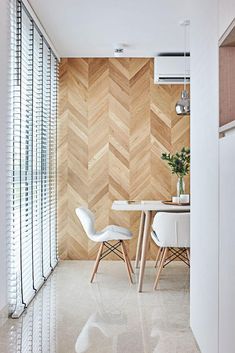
(151, 205)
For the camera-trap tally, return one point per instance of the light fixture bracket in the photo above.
(184, 23)
(118, 50)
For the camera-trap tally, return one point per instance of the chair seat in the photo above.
(113, 232)
(171, 230)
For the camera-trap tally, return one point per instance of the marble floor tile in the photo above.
(70, 315)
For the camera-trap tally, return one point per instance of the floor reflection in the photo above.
(107, 326)
(35, 330)
(69, 315)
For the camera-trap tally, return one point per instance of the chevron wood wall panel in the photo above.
(114, 124)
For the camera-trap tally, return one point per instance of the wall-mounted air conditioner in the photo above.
(170, 69)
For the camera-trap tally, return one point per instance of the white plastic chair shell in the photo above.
(171, 230)
(111, 232)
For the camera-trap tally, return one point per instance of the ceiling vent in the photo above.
(170, 68)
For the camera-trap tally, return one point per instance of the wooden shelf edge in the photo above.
(226, 33)
(227, 128)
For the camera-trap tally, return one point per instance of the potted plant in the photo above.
(180, 165)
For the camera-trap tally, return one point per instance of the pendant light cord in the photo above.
(185, 38)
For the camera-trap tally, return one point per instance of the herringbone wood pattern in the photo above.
(114, 124)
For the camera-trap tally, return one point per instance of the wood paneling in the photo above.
(226, 85)
(114, 124)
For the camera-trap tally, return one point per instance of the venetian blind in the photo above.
(32, 159)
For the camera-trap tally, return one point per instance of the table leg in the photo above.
(140, 237)
(144, 248)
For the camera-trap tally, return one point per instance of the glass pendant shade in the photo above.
(182, 107)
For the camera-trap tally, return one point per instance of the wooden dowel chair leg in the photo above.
(97, 261)
(126, 261)
(165, 251)
(131, 268)
(158, 256)
(127, 256)
(188, 253)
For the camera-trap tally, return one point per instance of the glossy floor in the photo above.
(70, 315)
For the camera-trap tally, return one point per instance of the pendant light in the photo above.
(182, 107)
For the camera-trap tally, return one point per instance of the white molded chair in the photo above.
(109, 233)
(171, 232)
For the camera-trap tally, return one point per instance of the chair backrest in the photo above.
(87, 220)
(172, 229)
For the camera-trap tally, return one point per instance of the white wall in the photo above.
(226, 14)
(227, 209)
(204, 173)
(3, 118)
(227, 245)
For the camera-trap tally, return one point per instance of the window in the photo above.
(32, 159)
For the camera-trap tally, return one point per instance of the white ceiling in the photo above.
(90, 28)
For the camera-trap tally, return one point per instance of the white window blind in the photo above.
(32, 159)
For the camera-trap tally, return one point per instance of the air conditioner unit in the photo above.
(170, 69)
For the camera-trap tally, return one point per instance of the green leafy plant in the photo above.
(178, 162)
